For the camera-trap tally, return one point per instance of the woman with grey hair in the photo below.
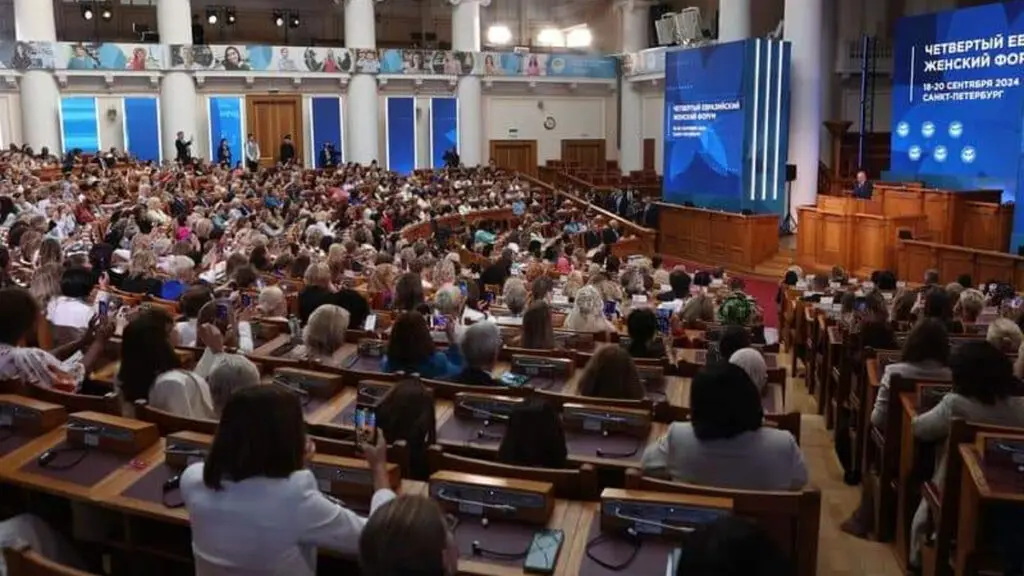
(325, 332)
(230, 373)
(587, 314)
(480, 344)
(448, 301)
(514, 296)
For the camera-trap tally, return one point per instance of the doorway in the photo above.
(269, 118)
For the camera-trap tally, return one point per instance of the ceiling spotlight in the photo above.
(229, 16)
(211, 15)
(578, 38)
(87, 12)
(499, 34)
(107, 14)
(278, 18)
(293, 20)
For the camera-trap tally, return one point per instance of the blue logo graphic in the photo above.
(928, 129)
(968, 155)
(956, 129)
(914, 153)
(940, 153)
(903, 129)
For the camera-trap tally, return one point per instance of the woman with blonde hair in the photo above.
(325, 332)
(587, 314)
(969, 306)
(50, 252)
(140, 279)
(1005, 335)
(45, 285)
(573, 284)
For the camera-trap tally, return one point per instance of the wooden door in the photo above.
(649, 153)
(270, 118)
(518, 155)
(585, 153)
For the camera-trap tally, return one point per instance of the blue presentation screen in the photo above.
(326, 126)
(79, 124)
(444, 129)
(727, 125)
(957, 100)
(226, 122)
(142, 128)
(401, 134)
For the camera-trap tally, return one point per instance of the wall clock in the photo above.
(549, 123)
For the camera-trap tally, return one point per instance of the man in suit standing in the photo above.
(287, 152)
(183, 149)
(862, 187)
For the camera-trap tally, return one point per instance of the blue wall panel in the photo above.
(226, 122)
(444, 129)
(142, 128)
(326, 126)
(78, 124)
(401, 134)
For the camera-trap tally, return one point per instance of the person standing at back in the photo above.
(183, 149)
(286, 155)
(252, 153)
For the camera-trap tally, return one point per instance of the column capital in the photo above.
(482, 3)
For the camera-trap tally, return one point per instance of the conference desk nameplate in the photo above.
(316, 384)
(657, 513)
(604, 420)
(110, 433)
(29, 416)
(489, 497)
(182, 449)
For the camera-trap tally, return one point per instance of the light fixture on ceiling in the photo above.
(87, 13)
(212, 16)
(499, 35)
(579, 37)
(551, 37)
(229, 16)
(106, 13)
(278, 18)
(293, 20)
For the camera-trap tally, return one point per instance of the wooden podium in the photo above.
(850, 205)
(717, 238)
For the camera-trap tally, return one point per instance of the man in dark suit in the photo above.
(286, 155)
(183, 149)
(610, 235)
(862, 187)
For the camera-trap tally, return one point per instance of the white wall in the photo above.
(653, 124)
(10, 118)
(576, 117)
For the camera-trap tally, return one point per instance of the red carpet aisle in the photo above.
(762, 289)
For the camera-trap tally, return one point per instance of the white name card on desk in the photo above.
(559, 299)
(639, 299)
(834, 285)
(826, 301)
(801, 285)
(509, 320)
(716, 283)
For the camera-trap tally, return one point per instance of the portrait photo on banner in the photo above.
(17, 55)
(108, 56)
(430, 62)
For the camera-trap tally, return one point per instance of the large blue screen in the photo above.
(444, 129)
(957, 100)
(326, 126)
(79, 124)
(142, 128)
(401, 134)
(727, 126)
(226, 122)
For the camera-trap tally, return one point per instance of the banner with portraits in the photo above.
(297, 59)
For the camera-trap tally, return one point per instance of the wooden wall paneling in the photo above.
(918, 259)
(650, 151)
(990, 267)
(717, 238)
(586, 153)
(870, 244)
(269, 118)
(518, 155)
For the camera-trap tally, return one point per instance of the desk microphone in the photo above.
(487, 415)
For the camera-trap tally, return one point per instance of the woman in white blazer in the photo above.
(254, 507)
(725, 445)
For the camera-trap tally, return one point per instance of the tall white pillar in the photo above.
(40, 98)
(466, 38)
(803, 28)
(177, 89)
(733, 20)
(362, 113)
(635, 32)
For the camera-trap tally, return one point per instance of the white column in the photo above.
(635, 31)
(466, 38)
(177, 89)
(40, 98)
(362, 113)
(803, 28)
(733, 20)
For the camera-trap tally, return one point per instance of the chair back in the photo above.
(109, 403)
(791, 518)
(571, 484)
(22, 561)
(168, 423)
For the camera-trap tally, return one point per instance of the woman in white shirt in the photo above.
(725, 445)
(151, 370)
(70, 309)
(254, 507)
